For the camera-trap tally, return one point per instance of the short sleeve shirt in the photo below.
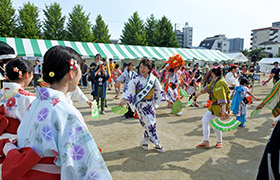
(276, 72)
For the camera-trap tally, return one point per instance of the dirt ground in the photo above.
(120, 138)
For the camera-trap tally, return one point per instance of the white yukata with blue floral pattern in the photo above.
(146, 107)
(52, 127)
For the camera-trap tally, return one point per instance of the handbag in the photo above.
(245, 100)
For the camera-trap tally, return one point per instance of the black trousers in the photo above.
(35, 80)
(270, 159)
(84, 80)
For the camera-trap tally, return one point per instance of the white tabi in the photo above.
(54, 128)
(144, 95)
(15, 101)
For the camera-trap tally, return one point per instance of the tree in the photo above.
(100, 31)
(79, 26)
(246, 52)
(7, 19)
(134, 31)
(28, 22)
(167, 37)
(152, 33)
(257, 54)
(54, 22)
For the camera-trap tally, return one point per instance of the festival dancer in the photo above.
(269, 166)
(232, 78)
(239, 101)
(115, 74)
(127, 75)
(14, 100)
(53, 139)
(219, 95)
(144, 93)
(79, 96)
(173, 79)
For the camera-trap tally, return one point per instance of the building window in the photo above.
(219, 45)
(269, 48)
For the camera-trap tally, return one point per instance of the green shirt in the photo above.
(220, 95)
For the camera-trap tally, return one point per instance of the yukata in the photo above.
(115, 74)
(269, 167)
(232, 81)
(172, 87)
(77, 95)
(14, 101)
(238, 106)
(219, 93)
(53, 143)
(126, 76)
(144, 95)
(272, 100)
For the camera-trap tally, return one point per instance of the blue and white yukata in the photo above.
(126, 76)
(238, 103)
(144, 95)
(54, 128)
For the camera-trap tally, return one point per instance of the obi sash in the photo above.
(276, 110)
(7, 124)
(147, 89)
(26, 164)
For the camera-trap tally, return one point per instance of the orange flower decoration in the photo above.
(175, 61)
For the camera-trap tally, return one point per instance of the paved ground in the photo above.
(119, 139)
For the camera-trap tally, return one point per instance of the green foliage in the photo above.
(167, 37)
(245, 52)
(28, 22)
(258, 53)
(7, 19)
(79, 26)
(277, 55)
(100, 31)
(152, 31)
(134, 31)
(54, 22)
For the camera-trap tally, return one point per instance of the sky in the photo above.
(235, 18)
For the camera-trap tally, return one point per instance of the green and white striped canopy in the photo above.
(38, 47)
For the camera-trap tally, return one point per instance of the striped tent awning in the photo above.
(38, 47)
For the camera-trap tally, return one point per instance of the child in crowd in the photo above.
(143, 94)
(53, 139)
(239, 101)
(14, 99)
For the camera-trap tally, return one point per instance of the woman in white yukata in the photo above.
(232, 78)
(174, 79)
(53, 139)
(79, 96)
(144, 93)
(14, 100)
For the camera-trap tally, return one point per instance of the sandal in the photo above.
(145, 146)
(203, 146)
(159, 148)
(219, 145)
